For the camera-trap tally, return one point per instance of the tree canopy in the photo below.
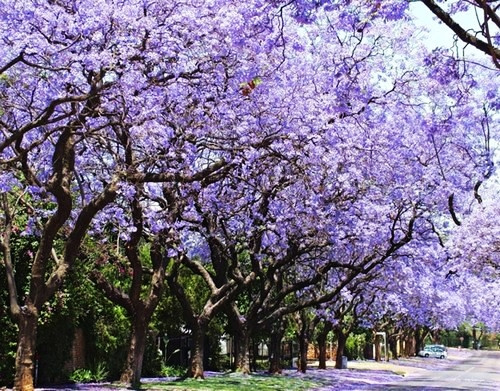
(286, 153)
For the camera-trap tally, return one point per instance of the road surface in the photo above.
(481, 371)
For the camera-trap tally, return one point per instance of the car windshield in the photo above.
(430, 347)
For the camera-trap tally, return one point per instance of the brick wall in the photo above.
(313, 351)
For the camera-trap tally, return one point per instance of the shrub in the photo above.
(173, 371)
(81, 376)
(354, 346)
(97, 374)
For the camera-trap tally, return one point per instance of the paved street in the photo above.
(481, 371)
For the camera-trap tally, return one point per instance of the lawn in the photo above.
(237, 382)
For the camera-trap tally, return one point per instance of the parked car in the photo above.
(437, 351)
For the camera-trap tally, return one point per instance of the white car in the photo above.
(437, 351)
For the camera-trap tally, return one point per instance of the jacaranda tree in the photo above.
(315, 137)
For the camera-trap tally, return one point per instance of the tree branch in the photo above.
(7, 259)
(112, 293)
(461, 33)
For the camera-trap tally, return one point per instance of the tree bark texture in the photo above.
(419, 340)
(275, 351)
(196, 369)
(303, 346)
(242, 355)
(322, 344)
(24, 379)
(341, 341)
(410, 346)
(131, 374)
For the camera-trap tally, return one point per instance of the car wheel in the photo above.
(426, 355)
(441, 356)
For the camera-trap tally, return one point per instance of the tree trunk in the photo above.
(196, 369)
(275, 351)
(131, 374)
(255, 355)
(393, 344)
(242, 355)
(436, 336)
(322, 353)
(474, 338)
(341, 341)
(322, 344)
(418, 340)
(401, 343)
(378, 353)
(25, 356)
(410, 345)
(236, 350)
(306, 327)
(236, 325)
(303, 346)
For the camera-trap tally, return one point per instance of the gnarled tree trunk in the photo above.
(242, 354)
(135, 356)
(24, 379)
(196, 369)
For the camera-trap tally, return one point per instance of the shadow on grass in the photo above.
(238, 382)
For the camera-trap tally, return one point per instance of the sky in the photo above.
(439, 34)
